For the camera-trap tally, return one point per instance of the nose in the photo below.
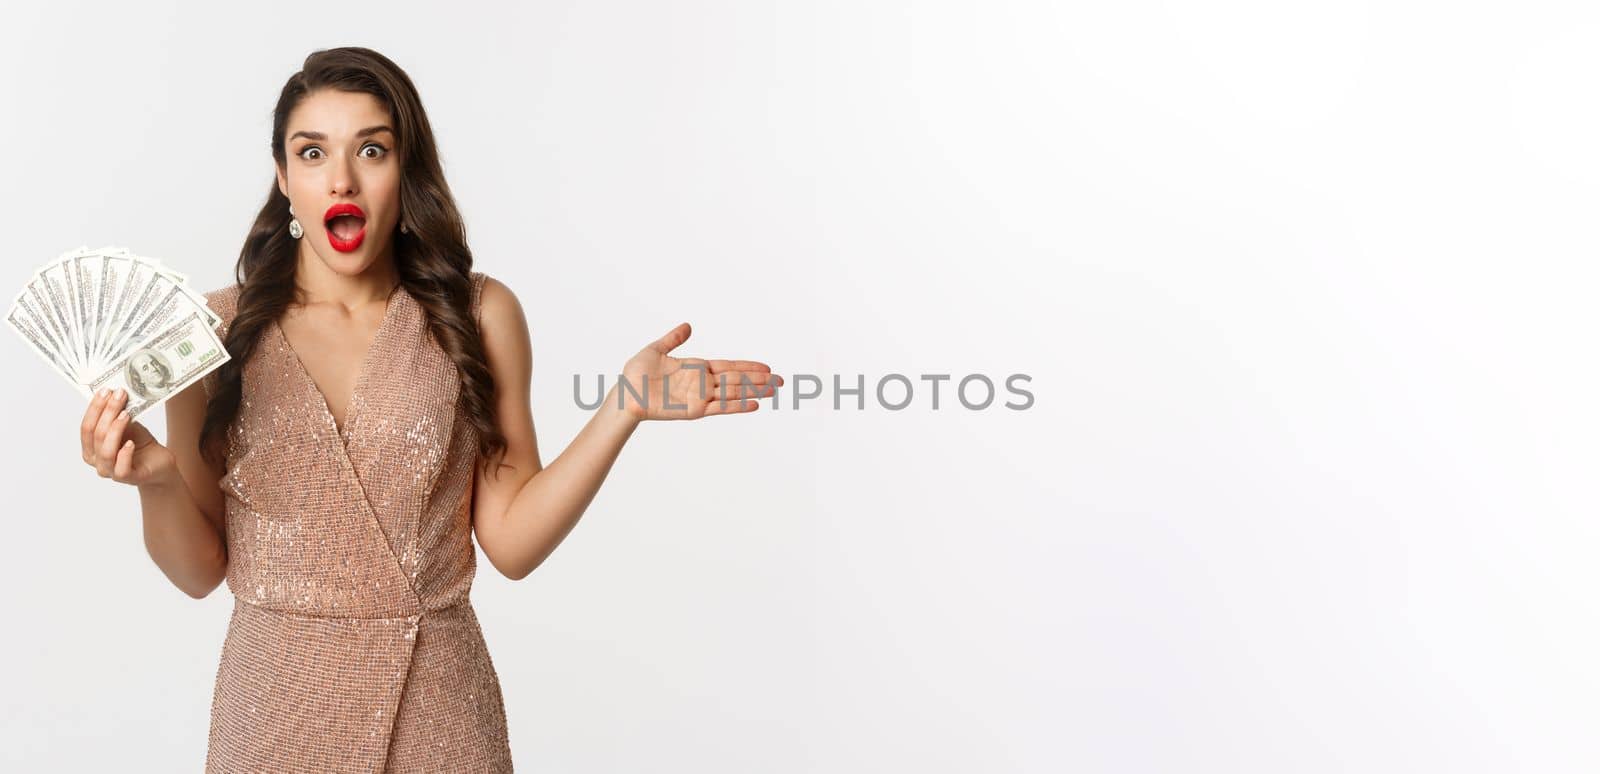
(343, 177)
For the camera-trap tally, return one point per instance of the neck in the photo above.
(318, 283)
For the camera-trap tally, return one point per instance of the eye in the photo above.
(381, 151)
(308, 149)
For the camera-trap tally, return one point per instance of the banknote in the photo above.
(106, 317)
(156, 368)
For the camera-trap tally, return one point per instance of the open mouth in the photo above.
(346, 226)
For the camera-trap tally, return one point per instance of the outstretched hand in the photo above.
(694, 387)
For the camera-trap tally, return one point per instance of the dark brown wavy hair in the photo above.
(433, 260)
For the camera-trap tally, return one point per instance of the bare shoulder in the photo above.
(507, 350)
(498, 299)
(501, 319)
(509, 356)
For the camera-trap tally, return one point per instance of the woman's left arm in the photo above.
(522, 513)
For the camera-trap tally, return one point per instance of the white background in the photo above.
(1305, 291)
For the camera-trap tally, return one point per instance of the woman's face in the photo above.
(340, 149)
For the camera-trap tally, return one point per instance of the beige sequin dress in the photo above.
(352, 645)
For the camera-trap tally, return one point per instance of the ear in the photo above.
(283, 183)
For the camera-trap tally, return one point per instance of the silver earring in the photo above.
(404, 229)
(294, 228)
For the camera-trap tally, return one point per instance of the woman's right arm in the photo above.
(178, 494)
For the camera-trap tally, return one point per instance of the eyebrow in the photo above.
(320, 136)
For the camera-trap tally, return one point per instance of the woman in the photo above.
(373, 417)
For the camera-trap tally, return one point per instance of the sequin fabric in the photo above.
(353, 645)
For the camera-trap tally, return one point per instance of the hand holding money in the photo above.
(110, 319)
(139, 460)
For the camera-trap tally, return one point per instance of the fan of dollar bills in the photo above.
(107, 318)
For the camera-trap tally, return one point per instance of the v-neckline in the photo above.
(361, 375)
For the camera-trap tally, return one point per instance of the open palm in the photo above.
(694, 387)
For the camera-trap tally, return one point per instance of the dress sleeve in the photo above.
(478, 279)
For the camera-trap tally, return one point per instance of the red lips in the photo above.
(345, 235)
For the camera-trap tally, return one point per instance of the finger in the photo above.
(111, 443)
(108, 414)
(729, 383)
(124, 465)
(744, 377)
(718, 366)
(716, 407)
(731, 390)
(673, 338)
(91, 419)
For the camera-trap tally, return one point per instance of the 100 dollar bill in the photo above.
(158, 368)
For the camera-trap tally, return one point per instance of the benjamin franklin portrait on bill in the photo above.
(148, 375)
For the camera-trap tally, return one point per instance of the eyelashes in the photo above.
(382, 151)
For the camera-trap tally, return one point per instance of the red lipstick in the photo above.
(345, 237)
